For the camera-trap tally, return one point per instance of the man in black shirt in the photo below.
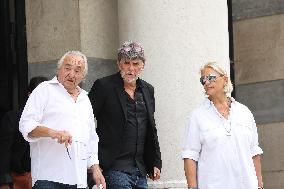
(124, 107)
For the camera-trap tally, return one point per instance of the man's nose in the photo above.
(131, 67)
(72, 73)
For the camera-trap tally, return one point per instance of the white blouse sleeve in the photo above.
(255, 149)
(192, 142)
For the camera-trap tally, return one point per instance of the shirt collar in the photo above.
(139, 83)
(54, 80)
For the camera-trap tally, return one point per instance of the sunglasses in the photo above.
(210, 78)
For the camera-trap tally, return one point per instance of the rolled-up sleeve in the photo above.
(33, 113)
(192, 143)
(255, 149)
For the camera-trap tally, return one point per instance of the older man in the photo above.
(124, 107)
(58, 122)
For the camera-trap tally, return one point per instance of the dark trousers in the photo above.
(45, 184)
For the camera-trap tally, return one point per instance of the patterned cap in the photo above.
(131, 50)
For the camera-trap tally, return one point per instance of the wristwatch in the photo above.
(192, 188)
(261, 187)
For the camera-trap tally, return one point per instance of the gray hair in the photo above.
(228, 88)
(76, 53)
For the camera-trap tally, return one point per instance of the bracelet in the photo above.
(192, 188)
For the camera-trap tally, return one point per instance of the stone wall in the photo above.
(56, 26)
(259, 66)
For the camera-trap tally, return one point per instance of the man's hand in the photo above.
(157, 174)
(98, 176)
(62, 137)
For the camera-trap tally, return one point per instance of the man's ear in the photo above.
(143, 65)
(118, 65)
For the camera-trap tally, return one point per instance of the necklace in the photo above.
(225, 117)
(224, 111)
(228, 128)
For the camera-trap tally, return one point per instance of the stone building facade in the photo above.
(259, 66)
(178, 37)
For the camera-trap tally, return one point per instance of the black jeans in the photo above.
(45, 184)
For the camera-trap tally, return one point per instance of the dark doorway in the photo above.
(231, 44)
(13, 49)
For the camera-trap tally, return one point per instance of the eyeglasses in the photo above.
(210, 78)
(79, 149)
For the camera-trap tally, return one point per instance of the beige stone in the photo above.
(259, 49)
(52, 28)
(271, 140)
(99, 28)
(273, 180)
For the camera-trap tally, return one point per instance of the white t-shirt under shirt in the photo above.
(51, 106)
(222, 147)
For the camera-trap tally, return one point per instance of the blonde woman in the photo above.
(221, 147)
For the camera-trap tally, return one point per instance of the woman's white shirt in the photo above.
(222, 147)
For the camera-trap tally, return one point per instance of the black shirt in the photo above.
(132, 148)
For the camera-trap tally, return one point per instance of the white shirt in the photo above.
(223, 147)
(50, 105)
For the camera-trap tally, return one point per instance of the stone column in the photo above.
(46, 23)
(178, 37)
(99, 37)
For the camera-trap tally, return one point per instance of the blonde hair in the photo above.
(228, 88)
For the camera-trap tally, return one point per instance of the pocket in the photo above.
(213, 137)
(243, 132)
